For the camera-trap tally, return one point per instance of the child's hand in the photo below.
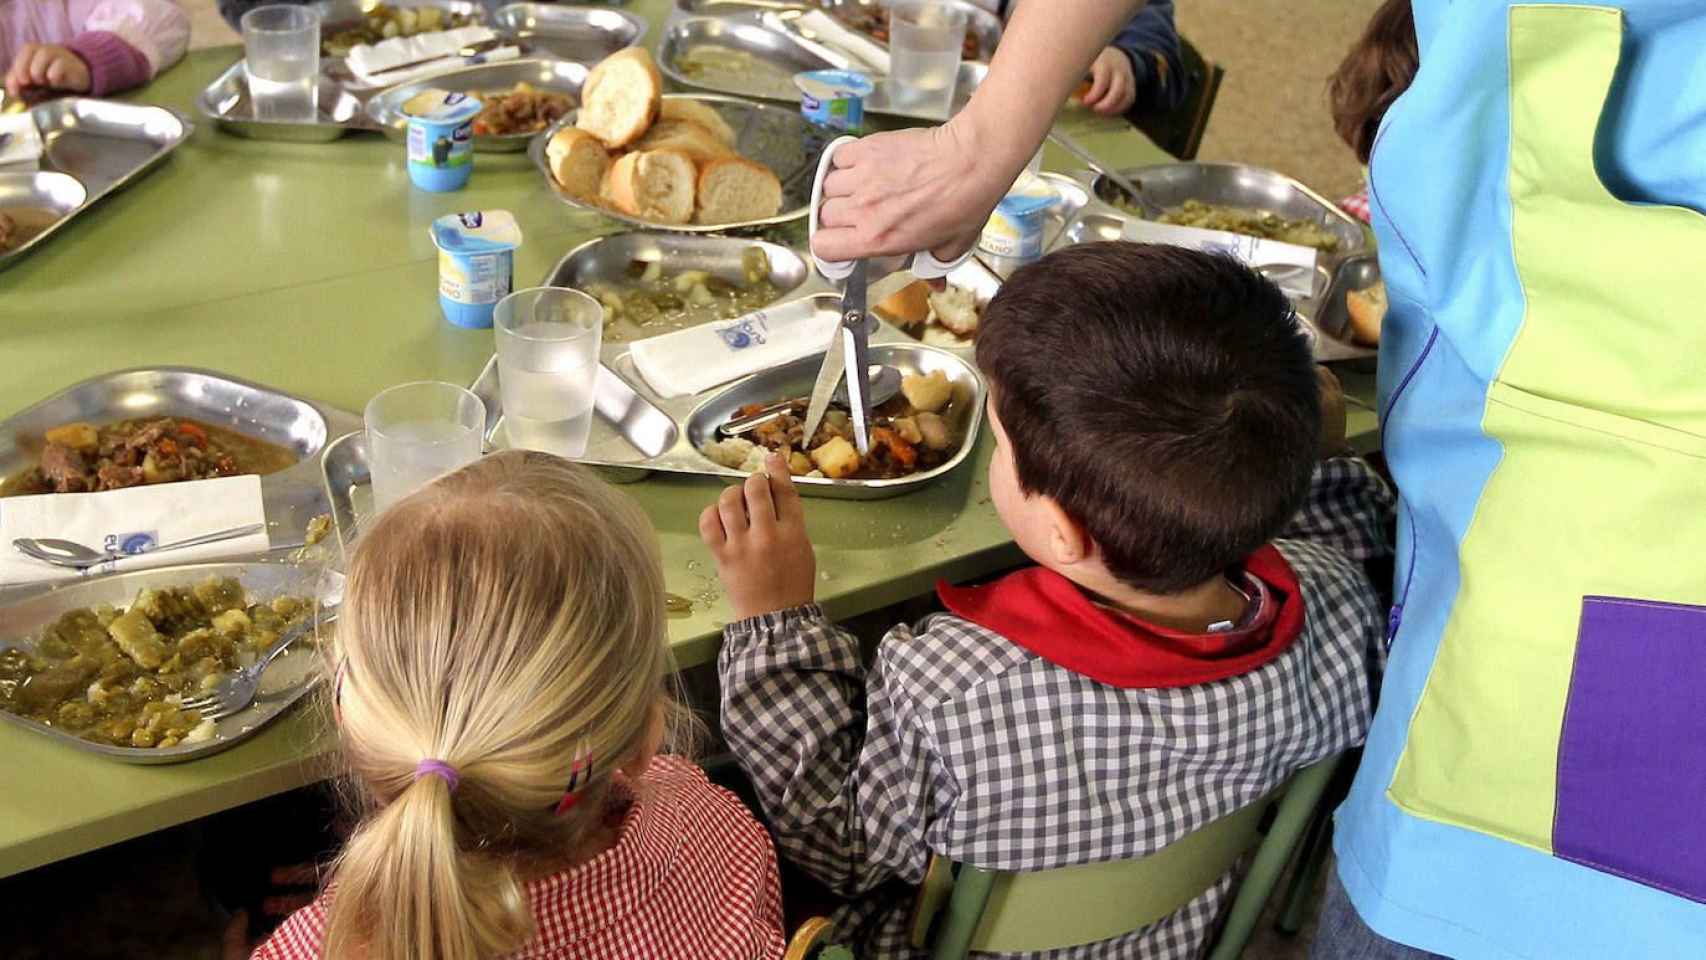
(1113, 86)
(47, 66)
(1332, 413)
(757, 535)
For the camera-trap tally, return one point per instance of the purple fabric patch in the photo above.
(1632, 758)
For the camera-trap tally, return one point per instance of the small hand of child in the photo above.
(757, 535)
(1333, 442)
(49, 67)
(1113, 85)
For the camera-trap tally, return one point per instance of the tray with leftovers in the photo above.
(518, 99)
(869, 17)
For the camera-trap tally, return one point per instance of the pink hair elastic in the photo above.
(440, 769)
(580, 774)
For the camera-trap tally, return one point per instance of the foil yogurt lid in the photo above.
(478, 231)
(442, 106)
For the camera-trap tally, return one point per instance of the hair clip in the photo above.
(580, 774)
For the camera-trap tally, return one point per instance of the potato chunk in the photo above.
(933, 431)
(837, 459)
(928, 393)
(231, 623)
(136, 636)
(78, 436)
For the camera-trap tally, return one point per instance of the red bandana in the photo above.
(1048, 615)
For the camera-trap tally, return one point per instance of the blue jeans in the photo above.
(1343, 936)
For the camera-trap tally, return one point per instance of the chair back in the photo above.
(1180, 131)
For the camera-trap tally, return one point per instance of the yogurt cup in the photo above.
(441, 139)
(834, 98)
(1014, 231)
(476, 264)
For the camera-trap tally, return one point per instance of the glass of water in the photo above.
(418, 432)
(926, 38)
(548, 340)
(281, 58)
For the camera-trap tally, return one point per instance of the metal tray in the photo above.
(291, 497)
(582, 35)
(385, 110)
(290, 677)
(979, 21)
(1332, 318)
(776, 60)
(780, 139)
(976, 275)
(226, 102)
(47, 197)
(336, 15)
(104, 145)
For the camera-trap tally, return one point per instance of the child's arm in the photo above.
(128, 42)
(845, 772)
(1150, 43)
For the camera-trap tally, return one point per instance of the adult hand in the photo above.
(47, 66)
(1113, 85)
(757, 535)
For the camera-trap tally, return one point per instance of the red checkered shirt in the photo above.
(691, 875)
(1356, 205)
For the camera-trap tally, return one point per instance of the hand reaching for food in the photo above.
(46, 66)
(757, 535)
(1113, 85)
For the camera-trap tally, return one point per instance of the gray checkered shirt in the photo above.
(957, 741)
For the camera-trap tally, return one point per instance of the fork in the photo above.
(237, 691)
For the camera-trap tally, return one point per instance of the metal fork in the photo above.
(237, 691)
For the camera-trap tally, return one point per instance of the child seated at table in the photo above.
(89, 47)
(1197, 627)
(500, 698)
(1141, 70)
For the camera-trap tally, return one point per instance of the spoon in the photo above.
(67, 553)
(884, 381)
(1150, 210)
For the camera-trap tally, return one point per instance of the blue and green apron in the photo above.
(1535, 782)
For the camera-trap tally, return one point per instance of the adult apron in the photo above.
(1534, 784)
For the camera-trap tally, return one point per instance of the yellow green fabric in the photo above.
(1600, 408)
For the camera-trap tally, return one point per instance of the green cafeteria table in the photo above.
(307, 267)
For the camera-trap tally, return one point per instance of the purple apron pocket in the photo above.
(1632, 758)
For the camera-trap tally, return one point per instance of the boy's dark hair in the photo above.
(1164, 398)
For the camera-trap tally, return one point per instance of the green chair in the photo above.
(967, 908)
(1180, 131)
(810, 942)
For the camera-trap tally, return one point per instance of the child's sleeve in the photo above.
(1151, 42)
(127, 42)
(1349, 508)
(841, 761)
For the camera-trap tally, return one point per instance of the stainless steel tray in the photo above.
(982, 280)
(780, 139)
(104, 145)
(582, 35)
(979, 21)
(290, 677)
(291, 497)
(775, 60)
(385, 110)
(336, 15)
(38, 201)
(1332, 316)
(226, 102)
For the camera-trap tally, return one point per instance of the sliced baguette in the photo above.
(684, 137)
(1367, 308)
(703, 114)
(734, 189)
(907, 307)
(655, 185)
(620, 98)
(578, 162)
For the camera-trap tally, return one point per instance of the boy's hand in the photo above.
(757, 535)
(47, 66)
(1113, 86)
(1333, 442)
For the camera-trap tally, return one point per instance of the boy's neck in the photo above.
(1191, 610)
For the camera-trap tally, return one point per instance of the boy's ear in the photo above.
(1068, 540)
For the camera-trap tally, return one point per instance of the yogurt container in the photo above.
(441, 139)
(476, 263)
(834, 98)
(1014, 231)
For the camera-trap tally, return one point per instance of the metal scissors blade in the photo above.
(845, 357)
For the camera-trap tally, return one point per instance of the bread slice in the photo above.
(684, 137)
(705, 115)
(655, 185)
(955, 309)
(907, 307)
(734, 189)
(1367, 308)
(578, 162)
(620, 98)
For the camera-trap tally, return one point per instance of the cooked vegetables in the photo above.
(384, 22)
(927, 393)
(1251, 223)
(904, 439)
(523, 109)
(654, 302)
(82, 458)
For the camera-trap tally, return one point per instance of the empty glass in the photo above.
(281, 57)
(417, 432)
(926, 38)
(548, 340)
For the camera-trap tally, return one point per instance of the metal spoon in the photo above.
(884, 381)
(1150, 210)
(67, 553)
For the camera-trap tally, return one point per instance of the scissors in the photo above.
(848, 354)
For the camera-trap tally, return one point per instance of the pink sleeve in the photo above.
(158, 29)
(114, 65)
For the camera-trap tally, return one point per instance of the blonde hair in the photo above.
(507, 621)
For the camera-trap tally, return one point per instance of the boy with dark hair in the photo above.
(1197, 628)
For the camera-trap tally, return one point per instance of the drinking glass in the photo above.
(926, 38)
(548, 340)
(281, 57)
(417, 432)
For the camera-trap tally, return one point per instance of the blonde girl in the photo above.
(500, 705)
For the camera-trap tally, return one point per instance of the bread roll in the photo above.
(654, 185)
(734, 189)
(705, 115)
(620, 98)
(907, 307)
(1367, 308)
(684, 137)
(578, 162)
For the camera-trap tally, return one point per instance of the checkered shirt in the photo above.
(1357, 205)
(957, 741)
(691, 875)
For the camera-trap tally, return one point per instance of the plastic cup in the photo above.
(281, 61)
(418, 432)
(548, 341)
(926, 38)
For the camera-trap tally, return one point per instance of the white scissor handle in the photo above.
(924, 265)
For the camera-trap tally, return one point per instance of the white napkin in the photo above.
(165, 512)
(431, 69)
(698, 358)
(1254, 251)
(854, 42)
(367, 59)
(20, 143)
